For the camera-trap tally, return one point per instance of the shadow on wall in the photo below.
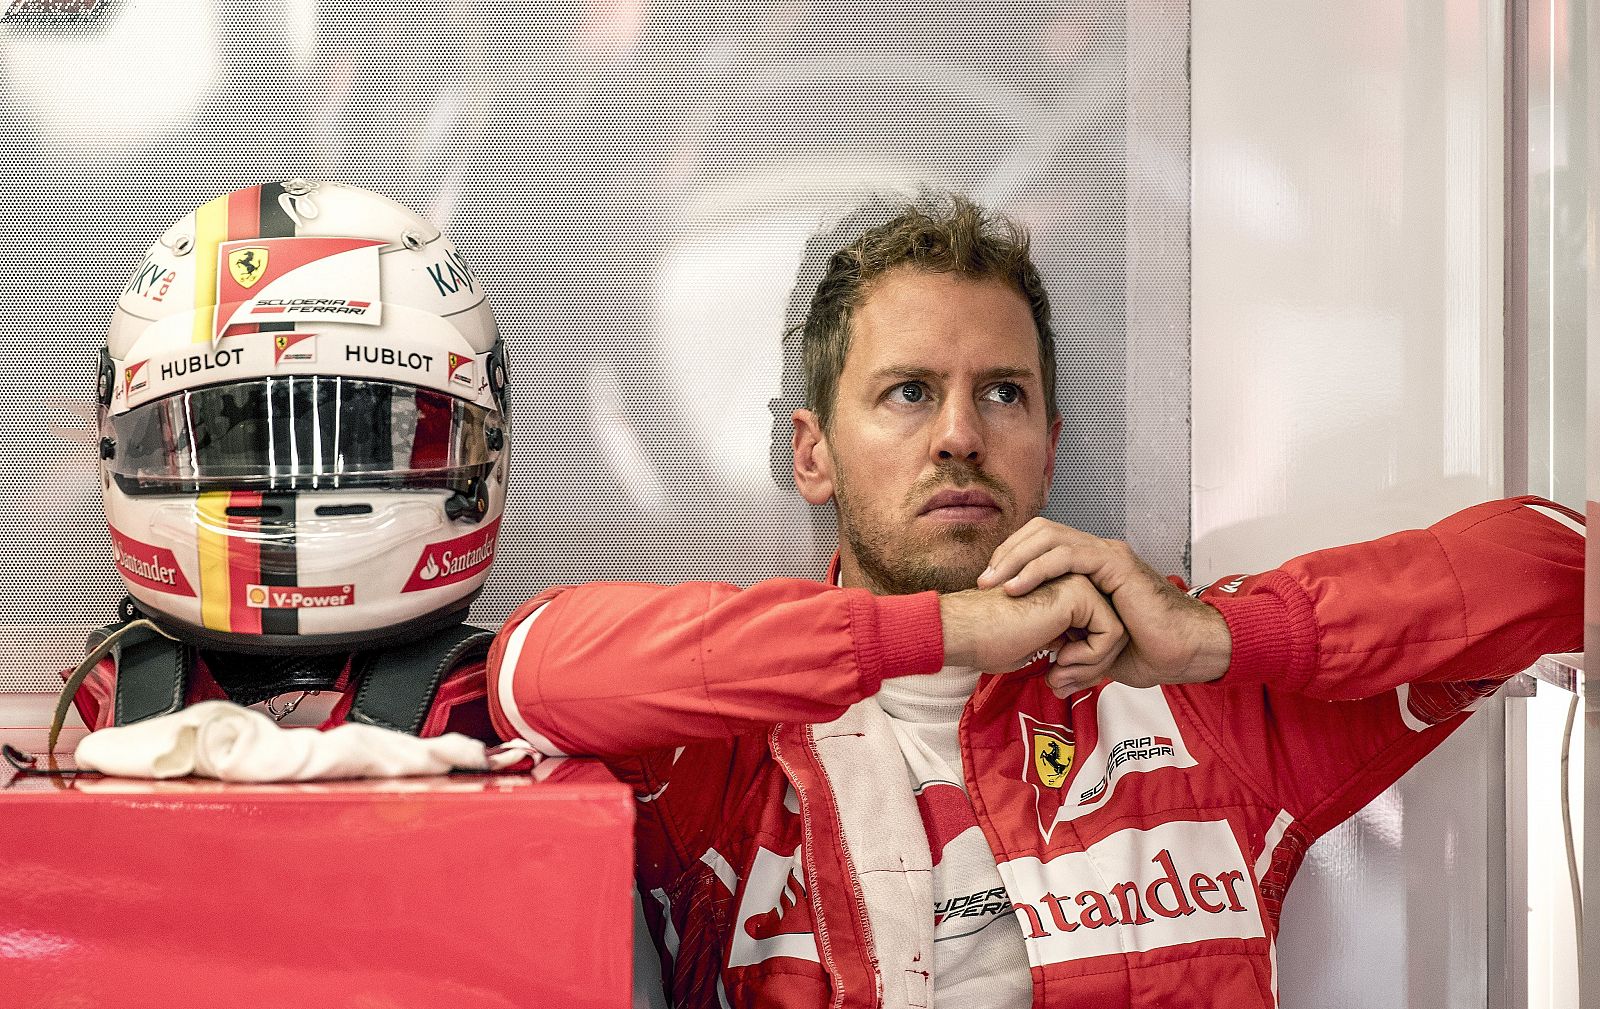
(819, 249)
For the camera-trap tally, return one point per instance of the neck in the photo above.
(932, 697)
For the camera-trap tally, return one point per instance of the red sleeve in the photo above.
(612, 669)
(1351, 664)
(1468, 598)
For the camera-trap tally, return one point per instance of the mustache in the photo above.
(960, 476)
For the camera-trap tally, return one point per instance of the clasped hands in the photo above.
(1104, 612)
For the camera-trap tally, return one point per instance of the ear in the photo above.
(1050, 461)
(813, 460)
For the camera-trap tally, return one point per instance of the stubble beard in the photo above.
(896, 560)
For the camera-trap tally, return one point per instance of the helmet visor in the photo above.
(301, 432)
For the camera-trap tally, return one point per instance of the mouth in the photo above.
(960, 506)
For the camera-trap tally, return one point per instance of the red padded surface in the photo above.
(503, 890)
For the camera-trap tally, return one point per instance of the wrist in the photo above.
(955, 621)
(1274, 634)
(1214, 651)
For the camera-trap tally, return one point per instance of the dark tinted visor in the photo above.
(301, 432)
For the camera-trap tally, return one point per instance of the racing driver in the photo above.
(990, 760)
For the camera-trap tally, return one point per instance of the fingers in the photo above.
(1042, 550)
(1053, 563)
(1093, 640)
(1076, 668)
(1085, 653)
(1010, 557)
(1063, 693)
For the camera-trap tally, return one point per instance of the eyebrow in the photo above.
(910, 373)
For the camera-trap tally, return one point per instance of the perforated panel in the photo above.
(647, 193)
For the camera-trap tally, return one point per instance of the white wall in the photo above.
(1541, 866)
(1347, 354)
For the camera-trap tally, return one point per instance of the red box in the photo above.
(460, 891)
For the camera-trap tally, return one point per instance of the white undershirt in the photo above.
(978, 953)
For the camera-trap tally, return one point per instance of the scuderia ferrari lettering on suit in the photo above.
(1124, 730)
(1134, 890)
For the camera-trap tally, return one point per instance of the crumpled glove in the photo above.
(220, 739)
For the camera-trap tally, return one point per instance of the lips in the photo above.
(960, 505)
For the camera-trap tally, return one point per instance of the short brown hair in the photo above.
(934, 234)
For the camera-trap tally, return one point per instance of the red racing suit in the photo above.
(1146, 837)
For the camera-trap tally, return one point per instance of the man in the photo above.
(837, 808)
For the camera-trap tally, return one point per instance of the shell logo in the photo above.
(258, 595)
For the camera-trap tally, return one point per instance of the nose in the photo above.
(958, 432)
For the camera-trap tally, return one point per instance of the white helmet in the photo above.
(302, 418)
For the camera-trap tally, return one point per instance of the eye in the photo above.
(1005, 392)
(908, 392)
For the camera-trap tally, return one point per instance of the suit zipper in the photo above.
(813, 890)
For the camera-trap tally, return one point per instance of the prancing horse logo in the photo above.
(1053, 752)
(1052, 756)
(247, 265)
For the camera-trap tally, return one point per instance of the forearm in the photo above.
(623, 668)
(1477, 596)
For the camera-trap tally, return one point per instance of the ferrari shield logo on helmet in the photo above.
(294, 347)
(1052, 755)
(247, 265)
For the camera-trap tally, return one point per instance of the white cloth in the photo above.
(219, 739)
(979, 957)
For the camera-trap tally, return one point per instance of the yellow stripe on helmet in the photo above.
(215, 593)
(210, 231)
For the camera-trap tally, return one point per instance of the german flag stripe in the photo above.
(210, 231)
(244, 564)
(234, 555)
(244, 213)
(275, 222)
(256, 212)
(278, 562)
(215, 598)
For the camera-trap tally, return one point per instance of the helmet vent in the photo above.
(255, 511)
(332, 511)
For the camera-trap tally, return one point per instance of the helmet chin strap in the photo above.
(100, 651)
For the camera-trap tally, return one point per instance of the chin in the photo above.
(965, 544)
(959, 569)
(976, 533)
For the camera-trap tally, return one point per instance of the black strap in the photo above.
(398, 685)
(152, 674)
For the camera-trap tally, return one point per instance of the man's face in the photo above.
(941, 444)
